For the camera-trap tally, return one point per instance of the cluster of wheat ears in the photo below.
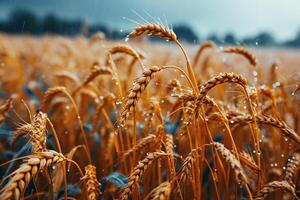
(115, 122)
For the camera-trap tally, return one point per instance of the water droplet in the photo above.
(127, 39)
(118, 101)
(276, 84)
(254, 73)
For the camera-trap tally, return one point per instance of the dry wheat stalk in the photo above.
(231, 159)
(262, 119)
(17, 184)
(153, 29)
(244, 52)
(138, 87)
(92, 183)
(36, 130)
(161, 192)
(138, 173)
(272, 187)
(292, 168)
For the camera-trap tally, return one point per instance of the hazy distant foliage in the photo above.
(26, 22)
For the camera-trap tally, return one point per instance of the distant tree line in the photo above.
(25, 22)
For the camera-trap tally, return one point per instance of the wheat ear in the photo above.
(292, 168)
(272, 187)
(92, 183)
(99, 36)
(220, 79)
(202, 48)
(96, 70)
(186, 169)
(138, 173)
(244, 52)
(268, 120)
(161, 192)
(142, 144)
(139, 86)
(50, 94)
(155, 30)
(169, 35)
(231, 159)
(36, 130)
(17, 184)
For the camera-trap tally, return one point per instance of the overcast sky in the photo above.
(241, 17)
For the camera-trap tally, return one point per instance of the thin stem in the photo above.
(80, 124)
(189, 68)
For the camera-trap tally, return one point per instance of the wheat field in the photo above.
(90, 118)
